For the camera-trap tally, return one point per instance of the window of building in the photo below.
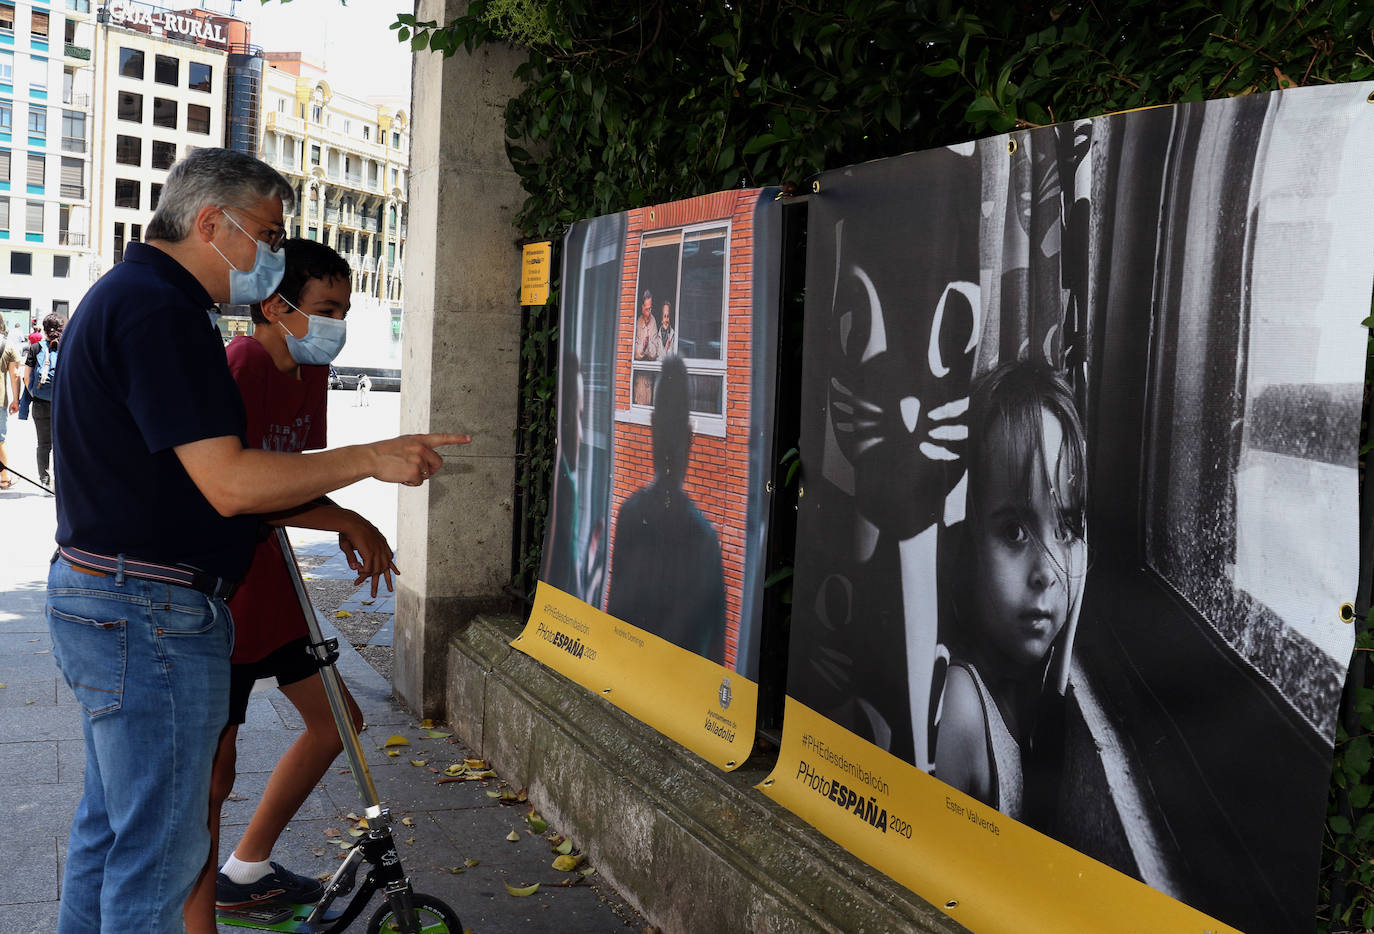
(312, 234)
(38, 120)
(395, 140)
(38, 24)
(68, 85)
(4, 165)
(7, 66)
(7, 17)
(281, 106)
(129, 150)
(164, 113)
(395, 177)
(198, 76)
(80, 6)
(36, 166)
(164, 154)
(69, 31)
(348, 126)
(127, 193)
(166, 69)
(38, 75)
(135, 233)
(4, 213)
(154, 196)
(73, 131)
(33, 216)
(118, 243)
(21, 264)
(6, 116)
(314, 155)
(317, 113)
(367, 132)
(131, 62)
(685, 270)
(197, 118)
(131, 107)
(61, 267)
(73, 178)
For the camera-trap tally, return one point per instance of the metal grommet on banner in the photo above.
(952, 903)
(1347, 612)
(816, 186)
(730, 764)
(1370, 98)
(605, 690)
(801, 491)
(768, 487)
(1011, 146)
(767, 783)
(651, 215)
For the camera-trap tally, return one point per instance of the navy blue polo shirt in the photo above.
(142, 370)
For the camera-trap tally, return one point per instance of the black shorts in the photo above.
(288, 664)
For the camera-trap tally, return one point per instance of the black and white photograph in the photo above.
(1081, 411)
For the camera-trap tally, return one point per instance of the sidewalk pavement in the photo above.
(455, 846)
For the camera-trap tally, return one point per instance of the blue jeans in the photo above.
(149, 663)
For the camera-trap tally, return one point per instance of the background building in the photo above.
(45, 159)
(348, 159)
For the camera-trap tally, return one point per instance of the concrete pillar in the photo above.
(460, 354)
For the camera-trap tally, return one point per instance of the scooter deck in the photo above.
(277, 916)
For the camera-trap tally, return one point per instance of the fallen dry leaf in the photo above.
(513, 836)
(426, 724)
(564, 848)
(395, 739)
(408, 821)
(342, 614)
(470, 862)
(522, 893)
(568, 863)
(537, 823)
(419, 763)
(332, 832)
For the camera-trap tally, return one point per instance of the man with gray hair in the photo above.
(156, 525)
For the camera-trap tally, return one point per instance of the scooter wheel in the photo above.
(433, 915)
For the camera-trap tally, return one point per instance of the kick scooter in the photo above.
(403, 909)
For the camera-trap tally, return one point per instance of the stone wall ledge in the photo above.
(692, 848)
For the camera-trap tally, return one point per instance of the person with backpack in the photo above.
(40, 372)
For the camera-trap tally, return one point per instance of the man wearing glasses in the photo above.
(156, 525)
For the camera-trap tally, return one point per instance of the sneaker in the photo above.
(279, 885)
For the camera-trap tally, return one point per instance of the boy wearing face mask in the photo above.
(282, 372)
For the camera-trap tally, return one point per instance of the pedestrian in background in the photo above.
(364, 385)
(40, 370)
(9, 397)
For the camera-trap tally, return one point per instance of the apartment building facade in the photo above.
(349, 161)
(46, 128)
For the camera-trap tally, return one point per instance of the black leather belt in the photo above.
(179, 574)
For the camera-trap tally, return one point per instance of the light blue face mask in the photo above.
(324, 338)
(262, 280)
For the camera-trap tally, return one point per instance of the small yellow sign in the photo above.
(536, 258)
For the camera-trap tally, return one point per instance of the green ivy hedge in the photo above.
(632, 102)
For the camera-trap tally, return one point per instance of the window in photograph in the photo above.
(128, 150)
(131, 107)
(61, 266)
(6, 116)
(164, 154)
(38, 25)
(7, 18)
(367, 131)
(198, 75)
(38, 120)
(4, 213)
(73, 131)
(37, 165)
(21, 264)
(33, 216)
(135, 233)
(154, 196)
(166, 69)
(118, 242)
(683, 273)
(4, 165)
(197, 118)
(69, 31)
(127, 193)
(130, 63)
(164, 113)
(395, 140)
(38, 77)
(73, 177)
(6, 66)
(314, 155)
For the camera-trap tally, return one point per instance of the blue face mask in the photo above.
(324, 338)
(262, 280)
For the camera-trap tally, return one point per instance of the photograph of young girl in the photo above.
(1080, 418)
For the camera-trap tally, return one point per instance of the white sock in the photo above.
(245, 873)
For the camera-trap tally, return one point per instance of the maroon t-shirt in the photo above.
(284, 414)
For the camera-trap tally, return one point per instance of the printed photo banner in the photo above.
(651, 584)
(1081, 409)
